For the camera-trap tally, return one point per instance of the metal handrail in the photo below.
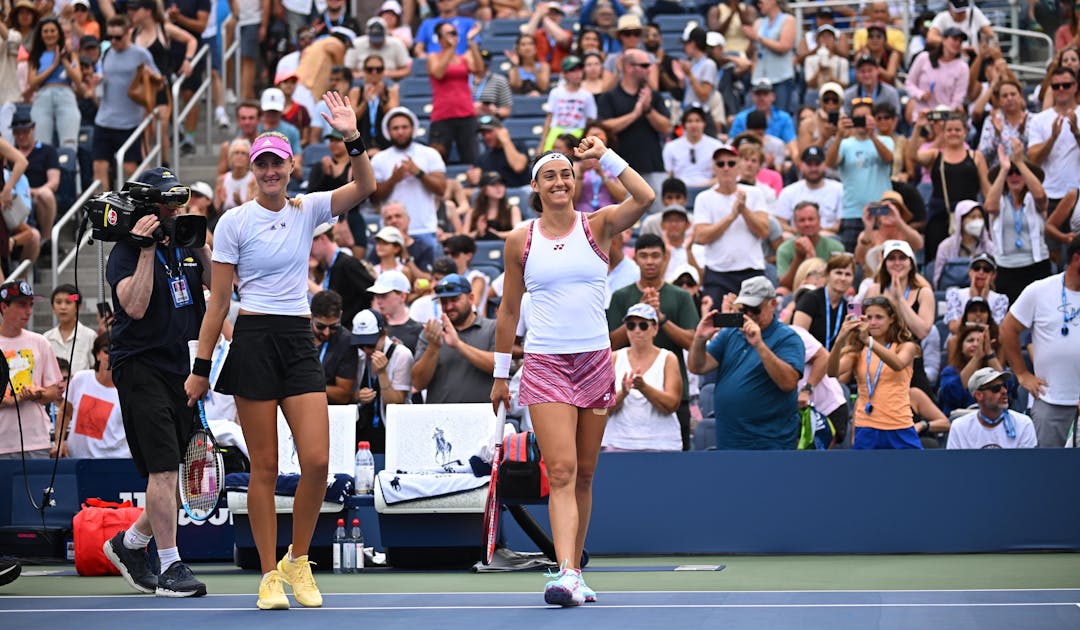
(136, 136)
(20, 271)
(233, 50)
(178, 115)
(1037, 68)
(58, 266)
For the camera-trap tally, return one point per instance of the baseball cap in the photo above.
(866, 59)
(675, 208)
(367, 327)
(22, 120)
(756, 290)
(959, 4)
(953, 31)
(827, 28)
(11, 291)
(644, 311)
(273, 100)
(686, 269)
(84, 3)
(983, 377)
(895, 245)
(202, 188)
(725, 148)
(897, 200)
(390, 234)
(333, 134)
(376, 29)
(283, 76)
(273, 143)
(571, 62)
(714, 39)
(390, 280)
(696, 34)
(321, 229)
(453, 285)
(393, 6)
(88, 41)
(763, 85)
(813, 153)
(628, 22)
(985, 258)
(876, 26)
(831, 86)
(487, 121)
(161, 178)
(491, 178)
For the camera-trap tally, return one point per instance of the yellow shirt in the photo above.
(894, 37)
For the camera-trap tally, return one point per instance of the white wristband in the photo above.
(870, 345)
(502, 365)
(612, 163)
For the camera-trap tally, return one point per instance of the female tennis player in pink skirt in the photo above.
(568, 382)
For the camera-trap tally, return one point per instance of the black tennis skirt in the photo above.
(271, 357)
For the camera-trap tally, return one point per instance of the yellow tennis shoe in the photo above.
(272, 592)
(298, 574)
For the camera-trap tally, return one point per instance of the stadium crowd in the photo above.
(883, 217)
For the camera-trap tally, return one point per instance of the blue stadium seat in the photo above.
(313, 153)
(68, 190)
(503, 27)
(419, 105)
(411, 87)
(529, 106)
(490, 254)
(524, 128)
(954, 273)
(418, 68)
(373, 222)
(491, 271)
(86, 160)
(453, 171)
(676, 23)
(499, 43)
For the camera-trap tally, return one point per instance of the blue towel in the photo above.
(336, 491)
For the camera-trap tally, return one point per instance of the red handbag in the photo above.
(95, 523)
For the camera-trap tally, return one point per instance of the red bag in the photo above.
(522, 473)
(97, 522)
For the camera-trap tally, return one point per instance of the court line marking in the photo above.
(539, 607)
(497, 593)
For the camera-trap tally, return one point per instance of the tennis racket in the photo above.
(202, 472)
(491, 507)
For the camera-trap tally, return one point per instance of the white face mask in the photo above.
(974, 227)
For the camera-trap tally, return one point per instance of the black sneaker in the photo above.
(187, 147)
(133, 564)
(10, 569)
(178, 581)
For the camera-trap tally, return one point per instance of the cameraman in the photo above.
(158, 292)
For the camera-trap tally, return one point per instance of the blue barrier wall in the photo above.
(733, 502)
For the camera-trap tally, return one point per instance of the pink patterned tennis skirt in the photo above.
(585, 380)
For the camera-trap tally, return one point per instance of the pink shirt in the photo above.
(451, 96)
(946, 83)
(32, 362)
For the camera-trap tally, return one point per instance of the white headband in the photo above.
(550, 157)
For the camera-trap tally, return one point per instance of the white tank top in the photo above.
(638, 425)
(566, 279)
(233, 186)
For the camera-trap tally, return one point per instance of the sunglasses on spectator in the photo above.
(726, 163)
(115, 38)
(642, 65)
(630, 33)
(830, 99)
(1063, 86)
(332, 327)
(637, 325)
(1013, 171)
(983, 268)
(450, 33)
(884, 117)
(374, 69)
(995, 389)
(684, 283)
(876, 301)
(753, 310)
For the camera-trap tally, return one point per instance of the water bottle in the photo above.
(357, 541)
(339, 547)
(364, 471)
(348, 555)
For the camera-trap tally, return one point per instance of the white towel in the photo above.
(400, 487)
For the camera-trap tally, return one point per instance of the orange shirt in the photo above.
(891, 401)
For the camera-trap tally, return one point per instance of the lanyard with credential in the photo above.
(164, 263)
(1066, 315)
(376, 402)
(373, 112)
(872, 387)
(832, 331)
(1018, 222)
(329, 268)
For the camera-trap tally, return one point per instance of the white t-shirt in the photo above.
(828, 395)
(829, 198)
(83, 357)
(97, 429)
(420, 202)
(250, 12)
(271, 250)
(973, 20)
(1063, 162)
(1039, 308)
(398, 368)
(694, 172)
(570, 110)
(737, 248)
(968, 433)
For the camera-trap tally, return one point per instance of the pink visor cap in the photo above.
(274, 144)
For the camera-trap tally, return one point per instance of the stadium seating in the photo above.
(411, 87)
(489, 254)
(69, 188)
(529, 106)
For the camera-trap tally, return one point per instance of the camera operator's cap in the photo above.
(273, 100)
(983, 377)
(202, 188)
(22, 120)
(756, 290)
(321, 229)
(897, 200)
(686, 269)
(831, 86)
(390, 234)
(390, 280)
(161, 178)
(19, 289)
(367, 327)
(762, 85)
(572, 62)
(953, 31)
(392, 6)
(896, 245)
(985, 258)
(628, 22)
(714, 39)
(813, 154)
(272, 143)
(487, 122)
(452, 285)
(866, 59)
(644, 311)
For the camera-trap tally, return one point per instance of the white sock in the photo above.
(168, 557)
(134, 539)
(219, 111)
